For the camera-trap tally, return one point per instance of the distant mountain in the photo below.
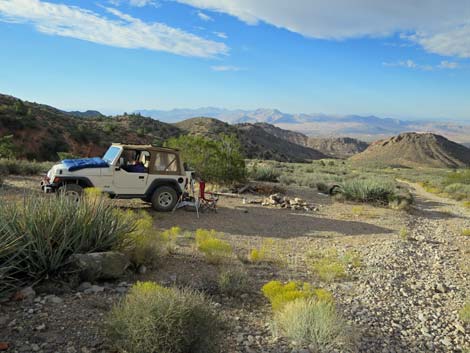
(86, 114)
(256, 141)
(415, 150)
(367, 128)
(337, 147)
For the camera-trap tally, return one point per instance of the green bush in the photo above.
(46, 231)
(316, 324)
(233, 281)
(154, 319)
(219, 161)
(369, 190)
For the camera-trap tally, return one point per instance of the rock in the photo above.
(103, 265)
(35, 347)
(41, 327)
(94, 289)
(3, 320)
(83, 286)
(54, 299)
(440, 288)
(142, 269)
(27, 293)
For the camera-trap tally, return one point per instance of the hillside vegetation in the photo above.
(41, 131)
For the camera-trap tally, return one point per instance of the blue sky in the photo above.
(405, 59)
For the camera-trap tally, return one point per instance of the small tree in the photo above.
(7, 148)
(218, 160)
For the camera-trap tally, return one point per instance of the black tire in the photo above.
(164, 199)
(72, 191)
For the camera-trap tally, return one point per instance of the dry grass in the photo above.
(154, 319)
(316, 324)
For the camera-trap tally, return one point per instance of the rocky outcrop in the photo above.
(102, 265)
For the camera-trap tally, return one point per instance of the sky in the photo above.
(407, 59)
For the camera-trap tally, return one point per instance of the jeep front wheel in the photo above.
(72, 192)
(164, 199)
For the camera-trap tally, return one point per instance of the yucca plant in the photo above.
(45, 231)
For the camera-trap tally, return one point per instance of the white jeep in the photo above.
(153, 174)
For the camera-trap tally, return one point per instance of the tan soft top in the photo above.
(145, 147)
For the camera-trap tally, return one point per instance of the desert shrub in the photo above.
(460, 177)
(466, 204)
(280, 294)
(143, 245)
(267, 252)
(214, 249)
(286, 179)
(233, 281)
(264, 173)
(466, 232)
(170, 237)
(316, 324)
(404, 233)
(331, 266)
(369, 190)
(464, 313)
(47, 231)
(154, 319)
(322, 187)
(23, 167)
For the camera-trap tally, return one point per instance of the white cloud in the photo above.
(221, 35)
(137, 3)
(443, 26)
(124, 31)
(410, 64)
(204, 17)
(222, 68)
(448, 65)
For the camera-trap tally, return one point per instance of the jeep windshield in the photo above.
(111, 154)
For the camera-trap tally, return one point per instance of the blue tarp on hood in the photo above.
(84, 163)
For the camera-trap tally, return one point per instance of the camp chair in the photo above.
(186, 200)
(207, 200)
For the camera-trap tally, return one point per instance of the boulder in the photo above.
(100, 265)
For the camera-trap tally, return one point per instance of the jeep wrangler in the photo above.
(153, 174)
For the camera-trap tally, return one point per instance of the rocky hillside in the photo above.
(415, 150)
(262, 145)
(40, 131)
(337, 147)
(257, 141)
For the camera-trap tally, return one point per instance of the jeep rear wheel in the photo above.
(164, 199)
(72, 192)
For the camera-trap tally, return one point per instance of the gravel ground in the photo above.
(404, 298)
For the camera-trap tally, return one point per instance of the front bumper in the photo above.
(48, 187)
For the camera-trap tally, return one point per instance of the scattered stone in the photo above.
(142, 269)
(103, 265)
(41, 327)
(94, 289)
(54, 299)
(83, 286)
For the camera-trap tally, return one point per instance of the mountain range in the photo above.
(41, 131)
(367, 128)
